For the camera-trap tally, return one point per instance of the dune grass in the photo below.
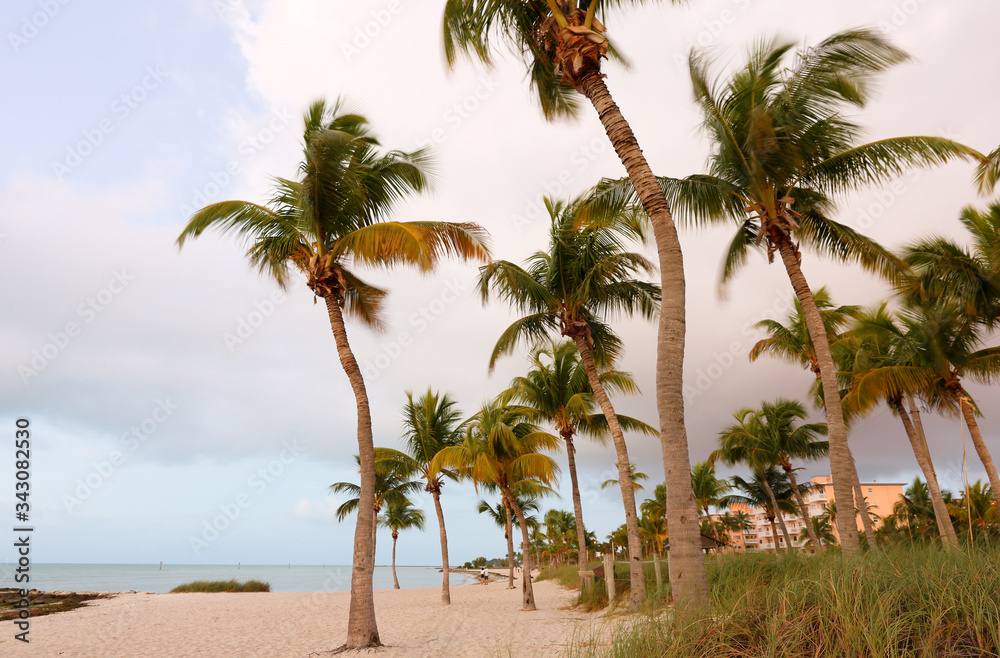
(222, 586)
(897, 602)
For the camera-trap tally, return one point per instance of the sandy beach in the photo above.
(481, 621)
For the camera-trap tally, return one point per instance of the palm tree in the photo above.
(559, 524)
(709, 491)
(400, 515)
(502, 448)
(977, 508)
(876, 341)
(941, 344)
(988, 172)
(429, 424)
(637, 478)
(769, 436)
(585, 275)
(768, 490)
(392, 485)
(916, 510)
(821, 529)
(501, 515)
(557, 387)
(334, 218)
(781, 140)
(561, 43)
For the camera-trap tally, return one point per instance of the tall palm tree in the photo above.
(501, 515)
(941, 342)
(502, 448)
(768, 490)
(562, 43)
(709, 491)
(325, 224)
(429, 424)
(400, 515)
(558, 388)
(773, 435)
(638, 477)
(781, 138)
(585, 275)
(876, 341)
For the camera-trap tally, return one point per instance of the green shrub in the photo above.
(222, 586)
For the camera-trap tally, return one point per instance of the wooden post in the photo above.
(609, 576)
(656, 570)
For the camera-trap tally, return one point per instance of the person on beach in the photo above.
(483, 577)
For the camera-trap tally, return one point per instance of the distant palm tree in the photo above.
(391, 486)
(709, 491)
(501, 515)
(768, 490)
(324, 225)
(400, 515)
(821, 529)
(637, 477)
(502, 448)
(558, 388)
(783, 145)
(915, 509)
(586, 274)
(977, 509)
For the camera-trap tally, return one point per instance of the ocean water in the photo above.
(283, 578)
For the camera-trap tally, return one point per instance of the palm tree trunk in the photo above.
(583, 560)
(715, 529)
(528, 594)
(445, 585)
(774, 533)
(840, 457)
(637, 577)
(687, 564)
(781, 519)
(803, 510)
(362, 631)
(509, 534)
(862, 506)
(395, 581)
(945, 528)
(981, 450)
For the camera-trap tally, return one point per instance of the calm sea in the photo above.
(151, 578)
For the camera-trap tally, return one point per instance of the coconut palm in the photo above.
(768, 490)
(789, 341)
(782, 146)
(709, 491)
(501, 515)
(400, 515)
(561, 43)
(977, 509)
(429, 424)
(988, 172)
(502, 448)
(821, 529)
(876, 341)
(324, 225)
(915, 509)
(940, 343)
(774, 435)
(585, 275)
(392, 485)
(557, 387)
(637, 478)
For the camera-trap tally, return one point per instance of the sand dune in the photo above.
(481, 621)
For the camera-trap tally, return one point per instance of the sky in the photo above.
(184, 409)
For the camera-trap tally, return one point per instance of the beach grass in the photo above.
(222, 586)
(897, 602)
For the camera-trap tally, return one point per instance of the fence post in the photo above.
(609, 576)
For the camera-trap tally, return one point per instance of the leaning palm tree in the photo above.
(430, 424)
(709, 491)
(562, 43)
(502, 448)
(558, 388)
(400, 515)
(876, 340)
(774, 435)
(331, 220)
(768, 490)
(790, 342)
(783, 145)
(586, 274)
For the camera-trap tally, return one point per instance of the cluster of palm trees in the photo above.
(782, 146)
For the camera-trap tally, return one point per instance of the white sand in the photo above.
(482, 620)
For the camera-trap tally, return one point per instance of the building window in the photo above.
(869, 489)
